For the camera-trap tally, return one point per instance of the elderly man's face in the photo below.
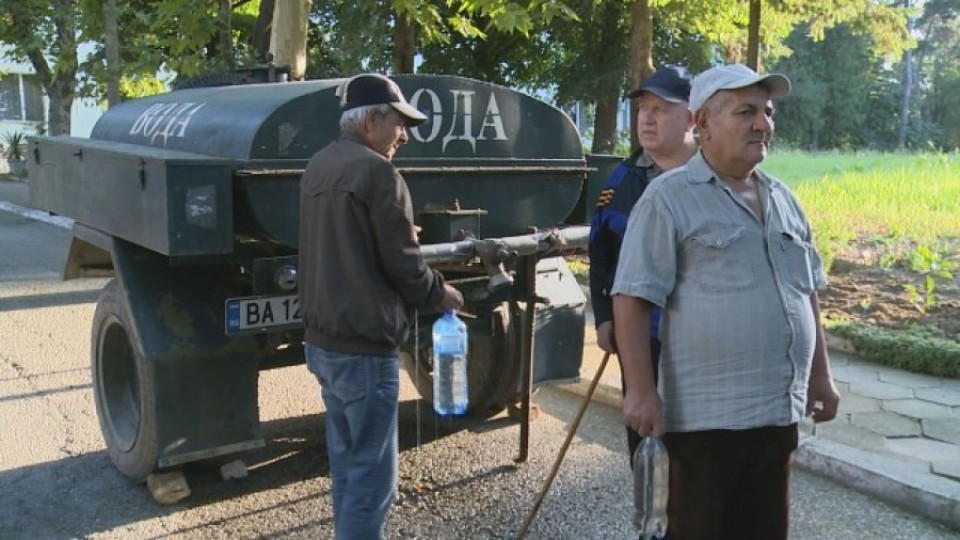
(739, 128)
(662, 125)
(385, 134)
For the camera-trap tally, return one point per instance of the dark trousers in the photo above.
(728, 484)
(633, 438)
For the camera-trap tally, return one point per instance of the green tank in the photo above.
(190, 199)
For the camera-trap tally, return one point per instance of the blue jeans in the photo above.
(361, 397)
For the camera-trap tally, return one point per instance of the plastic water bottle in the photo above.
(449, 365)
(651, 487)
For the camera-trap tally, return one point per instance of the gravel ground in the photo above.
(458, 479)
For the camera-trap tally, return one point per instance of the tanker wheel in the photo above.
(123, 383)
(492, 371)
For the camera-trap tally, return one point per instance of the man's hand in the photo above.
(451, 299)
(643, 412)
(823, 400)
(605, 337)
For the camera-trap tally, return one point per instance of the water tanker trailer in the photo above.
(189, 200)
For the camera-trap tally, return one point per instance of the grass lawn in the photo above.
(855, 195)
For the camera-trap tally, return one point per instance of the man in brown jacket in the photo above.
(361, 278)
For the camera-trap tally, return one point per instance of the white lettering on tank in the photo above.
(144, 117)
(435, 122)
(165, 120)
(182, 120)
(492, 119)
(466, 124)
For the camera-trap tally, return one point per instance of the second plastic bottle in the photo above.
(651, 487)
(449, 365)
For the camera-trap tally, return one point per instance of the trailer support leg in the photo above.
(528, 270)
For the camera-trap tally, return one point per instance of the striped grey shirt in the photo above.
(738, 330)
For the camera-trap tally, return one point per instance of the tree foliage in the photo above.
(844, 56)
(833, 80)
(847, 95)
(44, 34)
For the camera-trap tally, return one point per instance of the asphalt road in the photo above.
(458, 479)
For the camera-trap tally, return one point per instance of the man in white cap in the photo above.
(728, 254)
(361, 277)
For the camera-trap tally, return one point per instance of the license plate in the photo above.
(262, 312)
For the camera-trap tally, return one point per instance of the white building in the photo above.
(23, 103)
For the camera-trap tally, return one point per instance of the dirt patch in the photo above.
(862, 290)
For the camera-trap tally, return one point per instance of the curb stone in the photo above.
(907, 485)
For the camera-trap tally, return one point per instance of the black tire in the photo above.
(123, 384)
(493, 368)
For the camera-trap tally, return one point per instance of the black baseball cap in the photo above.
(671, 83)
(375, 89)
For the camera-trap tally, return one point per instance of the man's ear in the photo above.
(370, 119)
(700, 120)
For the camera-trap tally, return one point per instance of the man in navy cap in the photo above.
(665, 130)
(361, 278)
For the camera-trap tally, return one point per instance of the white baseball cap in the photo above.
(732, 77)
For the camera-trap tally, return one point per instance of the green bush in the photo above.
(917, 349)
(13, 143)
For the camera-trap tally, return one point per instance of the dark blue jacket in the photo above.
(607, 228)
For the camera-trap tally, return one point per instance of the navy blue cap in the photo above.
(671, 83)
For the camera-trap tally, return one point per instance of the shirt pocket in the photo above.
(720, 261)
(796, 269)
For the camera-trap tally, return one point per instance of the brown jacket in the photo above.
(361, 272)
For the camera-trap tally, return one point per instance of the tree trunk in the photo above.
(641, 62)
(60, 86)
(907, 88)
(112, 46)
(905, 101)
(261, 32)
(288, 41)
(225, 34)
(59, 113)
(403, 44)
(753, 36)
(605, 125)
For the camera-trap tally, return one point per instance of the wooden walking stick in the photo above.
(563, 449)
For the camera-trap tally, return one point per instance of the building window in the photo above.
(21, 98)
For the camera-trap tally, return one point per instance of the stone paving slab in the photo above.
(917, 409)
(887, 424)
(852, 403)
(854, 373)
(943, 429)
(842, 431)
(941, 395)
(950, 469)
(913, 380)
(881, 390)
(922, 449)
